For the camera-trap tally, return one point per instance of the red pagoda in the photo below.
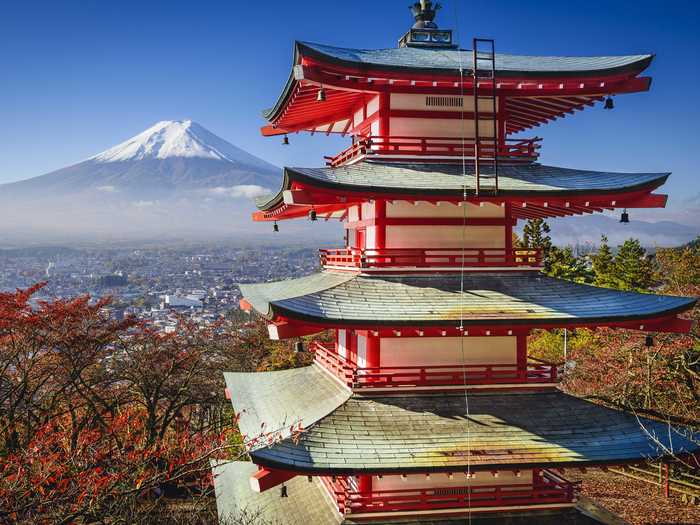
(427, 408)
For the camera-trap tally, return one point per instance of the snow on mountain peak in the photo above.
(176, 138)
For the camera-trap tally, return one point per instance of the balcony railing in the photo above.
(536, 372)
(550, 489)
(431, 258)
(523, 150)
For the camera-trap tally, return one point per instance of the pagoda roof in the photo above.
(489, 298)
(347, 73)
(383, 434)
(449, 61)
(308, 503)
(422, 180)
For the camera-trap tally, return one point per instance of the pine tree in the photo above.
(633, 269)
(536, 236)
(604, 265)
(563, 264)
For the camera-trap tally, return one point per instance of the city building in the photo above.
(427, 408)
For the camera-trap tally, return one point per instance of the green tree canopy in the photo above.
(633, 269)
(604, 265)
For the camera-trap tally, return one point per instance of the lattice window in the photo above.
(444, 102)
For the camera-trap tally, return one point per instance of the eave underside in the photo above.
(531, 190)
(418, 433)
(537, 89)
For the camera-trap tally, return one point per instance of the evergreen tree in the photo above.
(536, 236)
(563, 264)
(603, 264)
(633, 269)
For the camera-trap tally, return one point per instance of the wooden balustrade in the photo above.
(431, 257)
(550, 489)
(431, 376)
(523, 150)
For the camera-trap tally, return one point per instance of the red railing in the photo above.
(411, 147)
(548, 489)
(431, 258)
(431, 376)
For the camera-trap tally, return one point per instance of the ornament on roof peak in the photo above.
(424, 13)
(425, 32)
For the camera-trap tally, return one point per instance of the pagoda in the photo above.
(426, 407)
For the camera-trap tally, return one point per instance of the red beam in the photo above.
(265, 479)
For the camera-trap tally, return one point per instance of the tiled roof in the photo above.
(488, 298)
(428, 432)
(452, 59)
(259, 394)
(306, 504)
(449, 179)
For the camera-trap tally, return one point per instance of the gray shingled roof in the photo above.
(436, 59)
(428, 432)
(308, 504)
(488, 298)
(449, 61)
(449, 179)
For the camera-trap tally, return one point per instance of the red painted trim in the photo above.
(265, 478)
(297, 327)
(325, 200)
(428, 221)
(380, 222)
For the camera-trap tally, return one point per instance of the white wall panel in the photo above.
(419, 351)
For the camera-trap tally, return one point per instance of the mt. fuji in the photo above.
(174, 177)
(169, 158)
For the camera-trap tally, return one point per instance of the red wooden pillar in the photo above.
(521, 353)
(509, 234)
(384, 112)
(380, 224)
(364, 484)
(372, 355)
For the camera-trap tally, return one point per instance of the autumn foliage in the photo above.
(109, 421)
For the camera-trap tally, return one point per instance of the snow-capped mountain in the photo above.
(178, 139)
(168, 159)
(174, 176)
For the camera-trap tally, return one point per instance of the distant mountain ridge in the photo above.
(167, 159)
(176, 178)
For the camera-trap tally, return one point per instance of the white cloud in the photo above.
(145, 204)
(248, 191)
(107, 189)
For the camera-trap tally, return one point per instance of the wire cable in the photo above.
(462, 265)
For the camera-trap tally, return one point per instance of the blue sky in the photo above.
(79, 77)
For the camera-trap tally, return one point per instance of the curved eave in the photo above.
(304, 51)
(495, 299)
(338, 194)
(634, 67)
(350, 434)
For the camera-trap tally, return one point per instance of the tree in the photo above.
(536, 237)
(99, 418)
(603, 265)
(679, 267)
(633, 269)
(563, 264)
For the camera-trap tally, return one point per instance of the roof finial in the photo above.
(424, 13)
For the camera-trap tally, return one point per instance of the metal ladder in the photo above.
(480, 58)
